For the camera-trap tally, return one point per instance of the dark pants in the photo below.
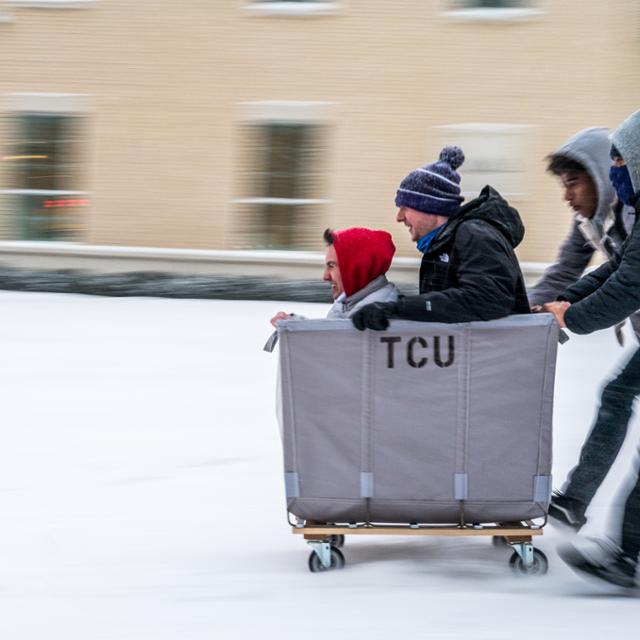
(631, 522)
(602, 446)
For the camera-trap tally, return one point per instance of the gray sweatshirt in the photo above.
(605, 231)
(378, 290)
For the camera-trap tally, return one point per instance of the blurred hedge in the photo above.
(164, 285)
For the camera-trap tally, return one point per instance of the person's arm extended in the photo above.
(271, 343)
(573, 258)
(588, 283)
(487, 279)
(615, 298)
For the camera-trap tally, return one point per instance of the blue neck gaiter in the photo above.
(621, 181)
(425, 241)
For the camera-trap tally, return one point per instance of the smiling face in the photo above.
(580, 192)
(332, 272)
(419, 224)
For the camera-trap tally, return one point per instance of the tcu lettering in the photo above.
(415, 351)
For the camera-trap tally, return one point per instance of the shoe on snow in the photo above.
(567, 511)
(601, 559)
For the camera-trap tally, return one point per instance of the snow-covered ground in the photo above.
(141, 494)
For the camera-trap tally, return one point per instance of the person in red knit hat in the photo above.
(356, 262)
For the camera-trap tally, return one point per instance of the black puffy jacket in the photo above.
(470, 271)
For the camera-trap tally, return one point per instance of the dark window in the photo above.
(283, 186)
(45, 176)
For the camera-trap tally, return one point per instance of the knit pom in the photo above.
(453, 156)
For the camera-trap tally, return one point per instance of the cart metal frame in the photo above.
(326, 540)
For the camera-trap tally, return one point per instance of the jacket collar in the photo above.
(375, 285)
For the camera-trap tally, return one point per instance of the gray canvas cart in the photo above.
(423, 429)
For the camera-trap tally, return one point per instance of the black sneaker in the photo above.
(604, 561)
(567, 511)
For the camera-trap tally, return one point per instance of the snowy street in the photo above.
(141, 493)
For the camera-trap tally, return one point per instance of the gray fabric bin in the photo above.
(419, 423)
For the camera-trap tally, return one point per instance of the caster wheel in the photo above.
(337, 541)
(499, 542)
(337, 561)
(539, 567)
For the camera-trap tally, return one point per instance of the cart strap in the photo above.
(291, 484)
(366, 484)
(460, 486)
(541, 488)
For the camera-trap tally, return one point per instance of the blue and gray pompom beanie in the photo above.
(434, 188)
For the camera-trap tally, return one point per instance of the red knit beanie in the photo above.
(363, 255)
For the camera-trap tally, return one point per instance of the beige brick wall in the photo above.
(167, 82)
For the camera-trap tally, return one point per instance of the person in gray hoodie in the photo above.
(601, 299)
(582, 165)
(600, 224)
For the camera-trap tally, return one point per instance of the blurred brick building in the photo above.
(231, 124)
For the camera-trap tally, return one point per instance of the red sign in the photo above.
(69, 202)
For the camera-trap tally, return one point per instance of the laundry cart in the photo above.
(423, 429)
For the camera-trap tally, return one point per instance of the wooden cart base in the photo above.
(326, 541)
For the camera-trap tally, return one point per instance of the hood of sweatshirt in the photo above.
(363, 255)
(590, 147)
(626, 139)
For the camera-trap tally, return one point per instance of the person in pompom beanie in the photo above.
(356, 262)
(469, 270)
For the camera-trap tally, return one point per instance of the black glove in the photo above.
(374, 316)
